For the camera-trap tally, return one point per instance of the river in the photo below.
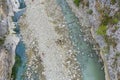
(91, 69)
(20, 59)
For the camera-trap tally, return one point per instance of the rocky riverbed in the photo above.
(49, 48)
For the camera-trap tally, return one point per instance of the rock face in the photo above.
(8, 42)
(3, 19)
(101, 19)
(5, 64)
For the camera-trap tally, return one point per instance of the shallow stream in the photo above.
(20, 59)
(91, 68)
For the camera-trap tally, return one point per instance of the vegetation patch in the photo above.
(114, 21)
(90, 11)
(110, 41)
(113, 2)
(77, 2)
(102, 30)
(105, 19)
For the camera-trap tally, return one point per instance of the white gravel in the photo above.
(40, 29)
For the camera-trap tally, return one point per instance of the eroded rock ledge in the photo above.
(8, 39)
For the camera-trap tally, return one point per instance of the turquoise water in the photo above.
(22, 4)
(17, 15)
(87, 57)
(21, 59)
(20, 51)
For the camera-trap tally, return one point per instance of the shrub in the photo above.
(77, 2)
(114, 21)
(113, 2)
(102, 30)
(105, 19)
(90, 11)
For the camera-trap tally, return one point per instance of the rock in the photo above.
(6, 64)
(7, 50)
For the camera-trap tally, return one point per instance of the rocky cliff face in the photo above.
(101, 22)
(5, 64)
(8, 42)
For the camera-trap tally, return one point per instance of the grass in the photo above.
(77, 2)
(102, 30)
(114, 21)
(18, 63)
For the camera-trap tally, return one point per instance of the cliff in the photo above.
(101, 24)
(8, 41)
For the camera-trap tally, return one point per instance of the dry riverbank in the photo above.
(49, 49)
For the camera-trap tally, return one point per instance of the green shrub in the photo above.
(105, 20)
(113, 1)
(102, 30)
(77, 2)
(114, 21)
(90, 11)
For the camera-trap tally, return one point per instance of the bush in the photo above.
(114, 21)
(77, 2)
(90, 11)
(102, 30)
(105, 19)
(113, 2)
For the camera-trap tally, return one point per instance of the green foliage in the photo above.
(113, 1)
(114, 21)
(102, 30)
(90, 11)
(116, 28)
(18, 63)
(2, 41)
(105, 19)
(117, 15)
(77, 2)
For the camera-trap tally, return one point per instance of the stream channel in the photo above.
(91, 68)
(20, 58)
